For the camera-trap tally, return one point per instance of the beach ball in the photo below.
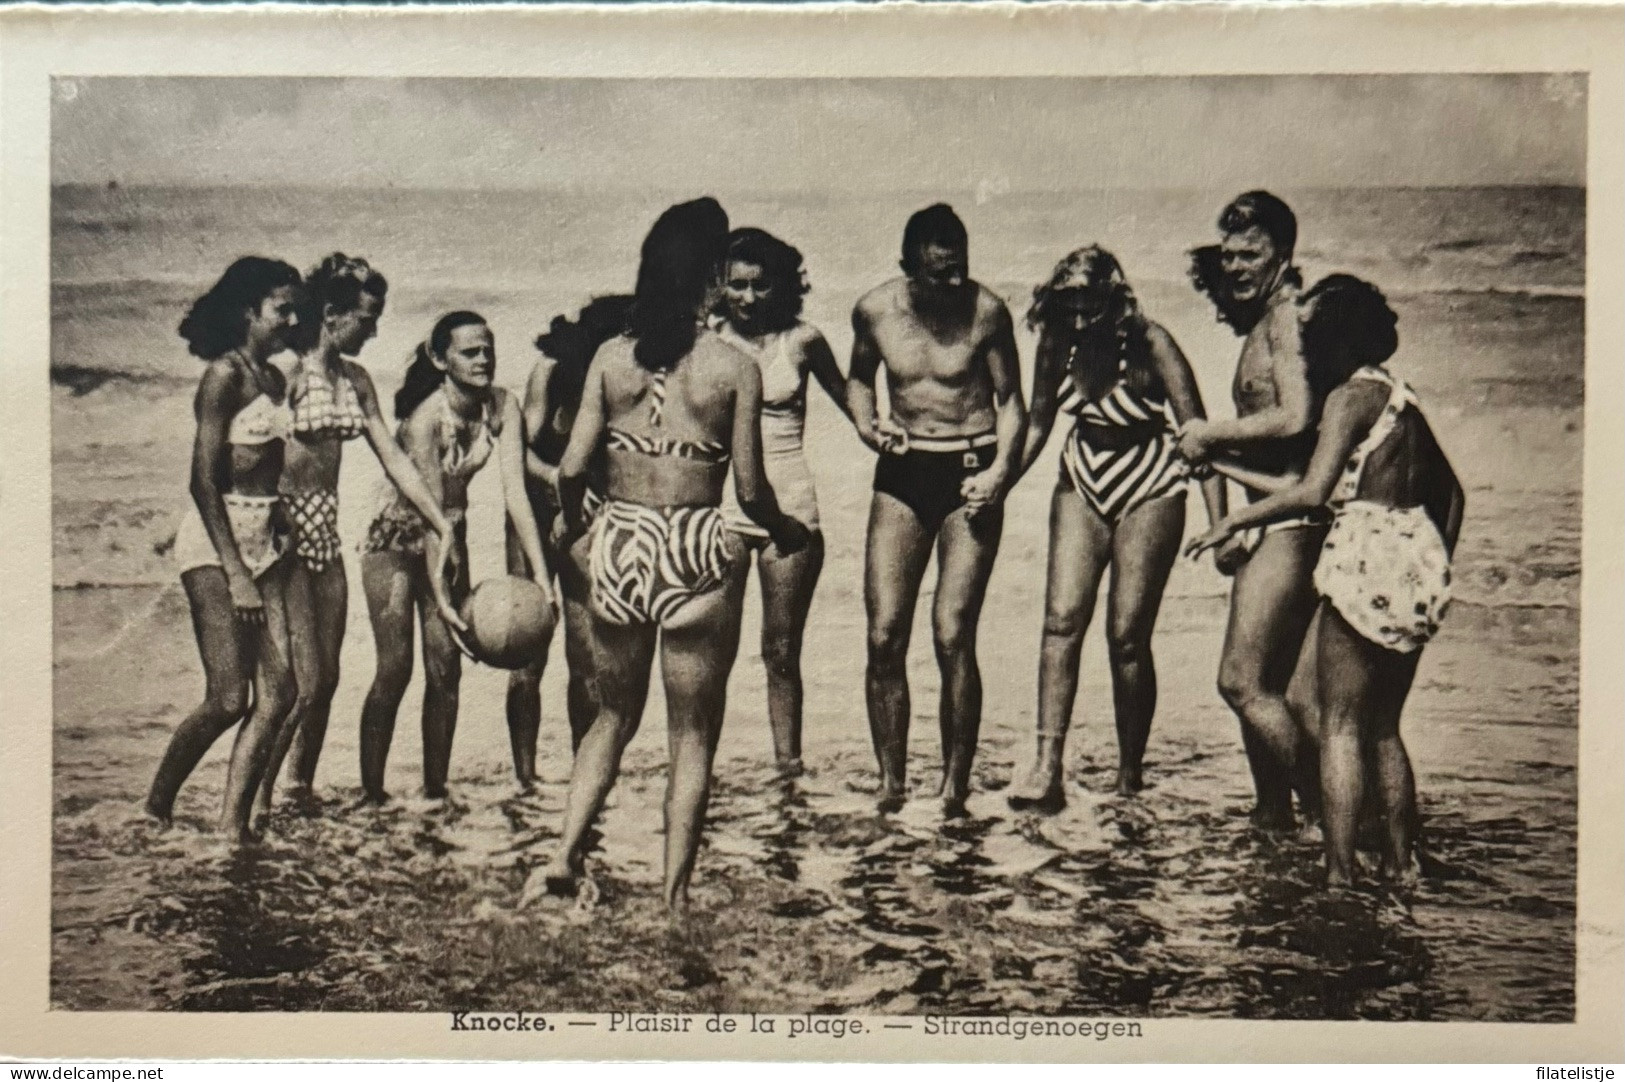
(508, 620)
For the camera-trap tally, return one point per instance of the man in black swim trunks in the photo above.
(947, 453)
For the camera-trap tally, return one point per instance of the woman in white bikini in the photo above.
(762, 288)
(1384, 569)
(332, 401)
(453, 419)
(1119, 500)
(230, 542)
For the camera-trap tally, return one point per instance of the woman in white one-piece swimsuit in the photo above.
(761, 297)
(1384, 570)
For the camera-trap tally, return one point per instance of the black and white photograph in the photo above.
(1099, 547)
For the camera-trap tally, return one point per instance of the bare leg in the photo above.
(899, 548)
(524, 703)
(317, 605)
(1302, 701)
(581, 696)
(443, 675)
(1080, 544)
(1362, 693)
(1271, 605)
(273, 697)
(695, 662)
(966, 547)
(787, 593)
(388, 581)
(227, 662)
(1143, 553)
(623, 664)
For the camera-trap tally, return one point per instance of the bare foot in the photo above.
(561, 878)
(1129, 780)
(1040, 790)
(790, 768)
(162, 816)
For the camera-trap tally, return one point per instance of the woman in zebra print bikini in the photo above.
(674, 406)
(1120, 499)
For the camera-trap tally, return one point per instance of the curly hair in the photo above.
(1115, 343)
(339, 281)
(1208, 277)
(218, 321)
(781, 263)
(574, 343)
(1347, 325)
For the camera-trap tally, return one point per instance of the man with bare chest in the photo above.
(947, 449)
(1251, 278)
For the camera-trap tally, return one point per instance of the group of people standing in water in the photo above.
(658, 448)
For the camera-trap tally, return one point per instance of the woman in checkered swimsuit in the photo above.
(332, 401)
(1119, 502)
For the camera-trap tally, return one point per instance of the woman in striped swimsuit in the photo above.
(674, 407)
(333, 401)
(1120, 500)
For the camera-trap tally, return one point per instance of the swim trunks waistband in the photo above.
(947, 444)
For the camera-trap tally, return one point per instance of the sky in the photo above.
(839, 135)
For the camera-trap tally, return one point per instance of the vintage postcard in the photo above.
(895, 533)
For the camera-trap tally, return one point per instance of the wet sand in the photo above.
(805, 898)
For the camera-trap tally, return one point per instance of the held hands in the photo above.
(1193, 443)
(1219, 535)
(983, 489)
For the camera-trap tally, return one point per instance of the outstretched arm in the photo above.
(585, 434)
(821, 363)
(1349, 416)
(397, 464)
(1185, 398)
(511, 459)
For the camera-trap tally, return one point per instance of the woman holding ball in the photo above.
(453, 420)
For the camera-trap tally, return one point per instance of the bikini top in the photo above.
(1400, 396)
(263, 420)
(709, 451)
(466, 445)
(323, 408)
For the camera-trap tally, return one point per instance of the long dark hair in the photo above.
(678, 265)
(573, 344)
(340, 281)
(1117, 341)
(218, 321)
(423, 378)
(781, 263)
(1347, 325)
